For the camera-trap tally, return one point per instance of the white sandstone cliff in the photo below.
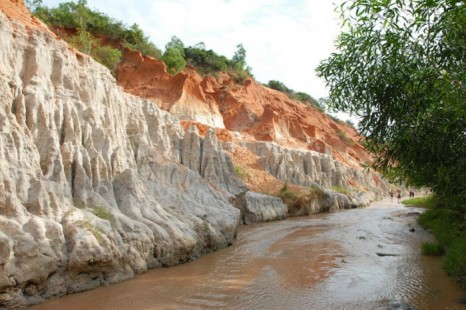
(92, 189)
(308, 168)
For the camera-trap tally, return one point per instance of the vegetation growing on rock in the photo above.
(77, 15)
(301, 96)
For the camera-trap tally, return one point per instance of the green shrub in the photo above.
(205, 61)
(295, 200)
(424, 202)
(238, 61)
(135, 39)
(85, 42)
(286, 194)
(146, 48)
(174, 60)
(432, 249)
(77, 15)
(174, 55)
(277, 85)
(239, 76)
(449, 228)
(334, 118)
(443, 223)
(316, 192)
(108, 56)
(300, 96)
(455, 261)
(309, 100)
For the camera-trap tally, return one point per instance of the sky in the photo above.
(284, 39)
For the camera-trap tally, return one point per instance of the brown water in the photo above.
(321, 262)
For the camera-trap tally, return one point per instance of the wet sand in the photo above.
(354, 259)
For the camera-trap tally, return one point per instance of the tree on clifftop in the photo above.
(239, 58)
(401, 66)
(239, 62)
(174, 55)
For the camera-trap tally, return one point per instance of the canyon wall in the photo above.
(97, 185)
(92, 185)
(307, 168)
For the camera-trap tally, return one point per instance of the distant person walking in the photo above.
(399, 197)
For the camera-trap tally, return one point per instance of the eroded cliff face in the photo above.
(308, 168)
(182, 95)
(97, 185)
(293, 142)
(247, 107)
(92, 185)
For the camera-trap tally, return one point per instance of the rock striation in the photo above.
(307, 168)
(207, 157)
(92, 186)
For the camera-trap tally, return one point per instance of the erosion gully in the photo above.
(354, 259)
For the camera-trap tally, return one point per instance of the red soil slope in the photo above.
(249, 108)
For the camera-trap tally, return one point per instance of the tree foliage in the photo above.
(136, 39)
(77, 15)
(301, 96)
(400, 65)
(174, 55)
(239, 58)
(238, 62)
(108, 56)
(204, 60)
(87, 43)
(207, 61)
(280, 86)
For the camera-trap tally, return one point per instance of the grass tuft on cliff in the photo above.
(341, 190)
(103, 214)
(242, 173)
(316, 192)
(292, 198)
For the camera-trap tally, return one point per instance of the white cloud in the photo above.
(284, 39)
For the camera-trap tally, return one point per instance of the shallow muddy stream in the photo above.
(355, 259)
